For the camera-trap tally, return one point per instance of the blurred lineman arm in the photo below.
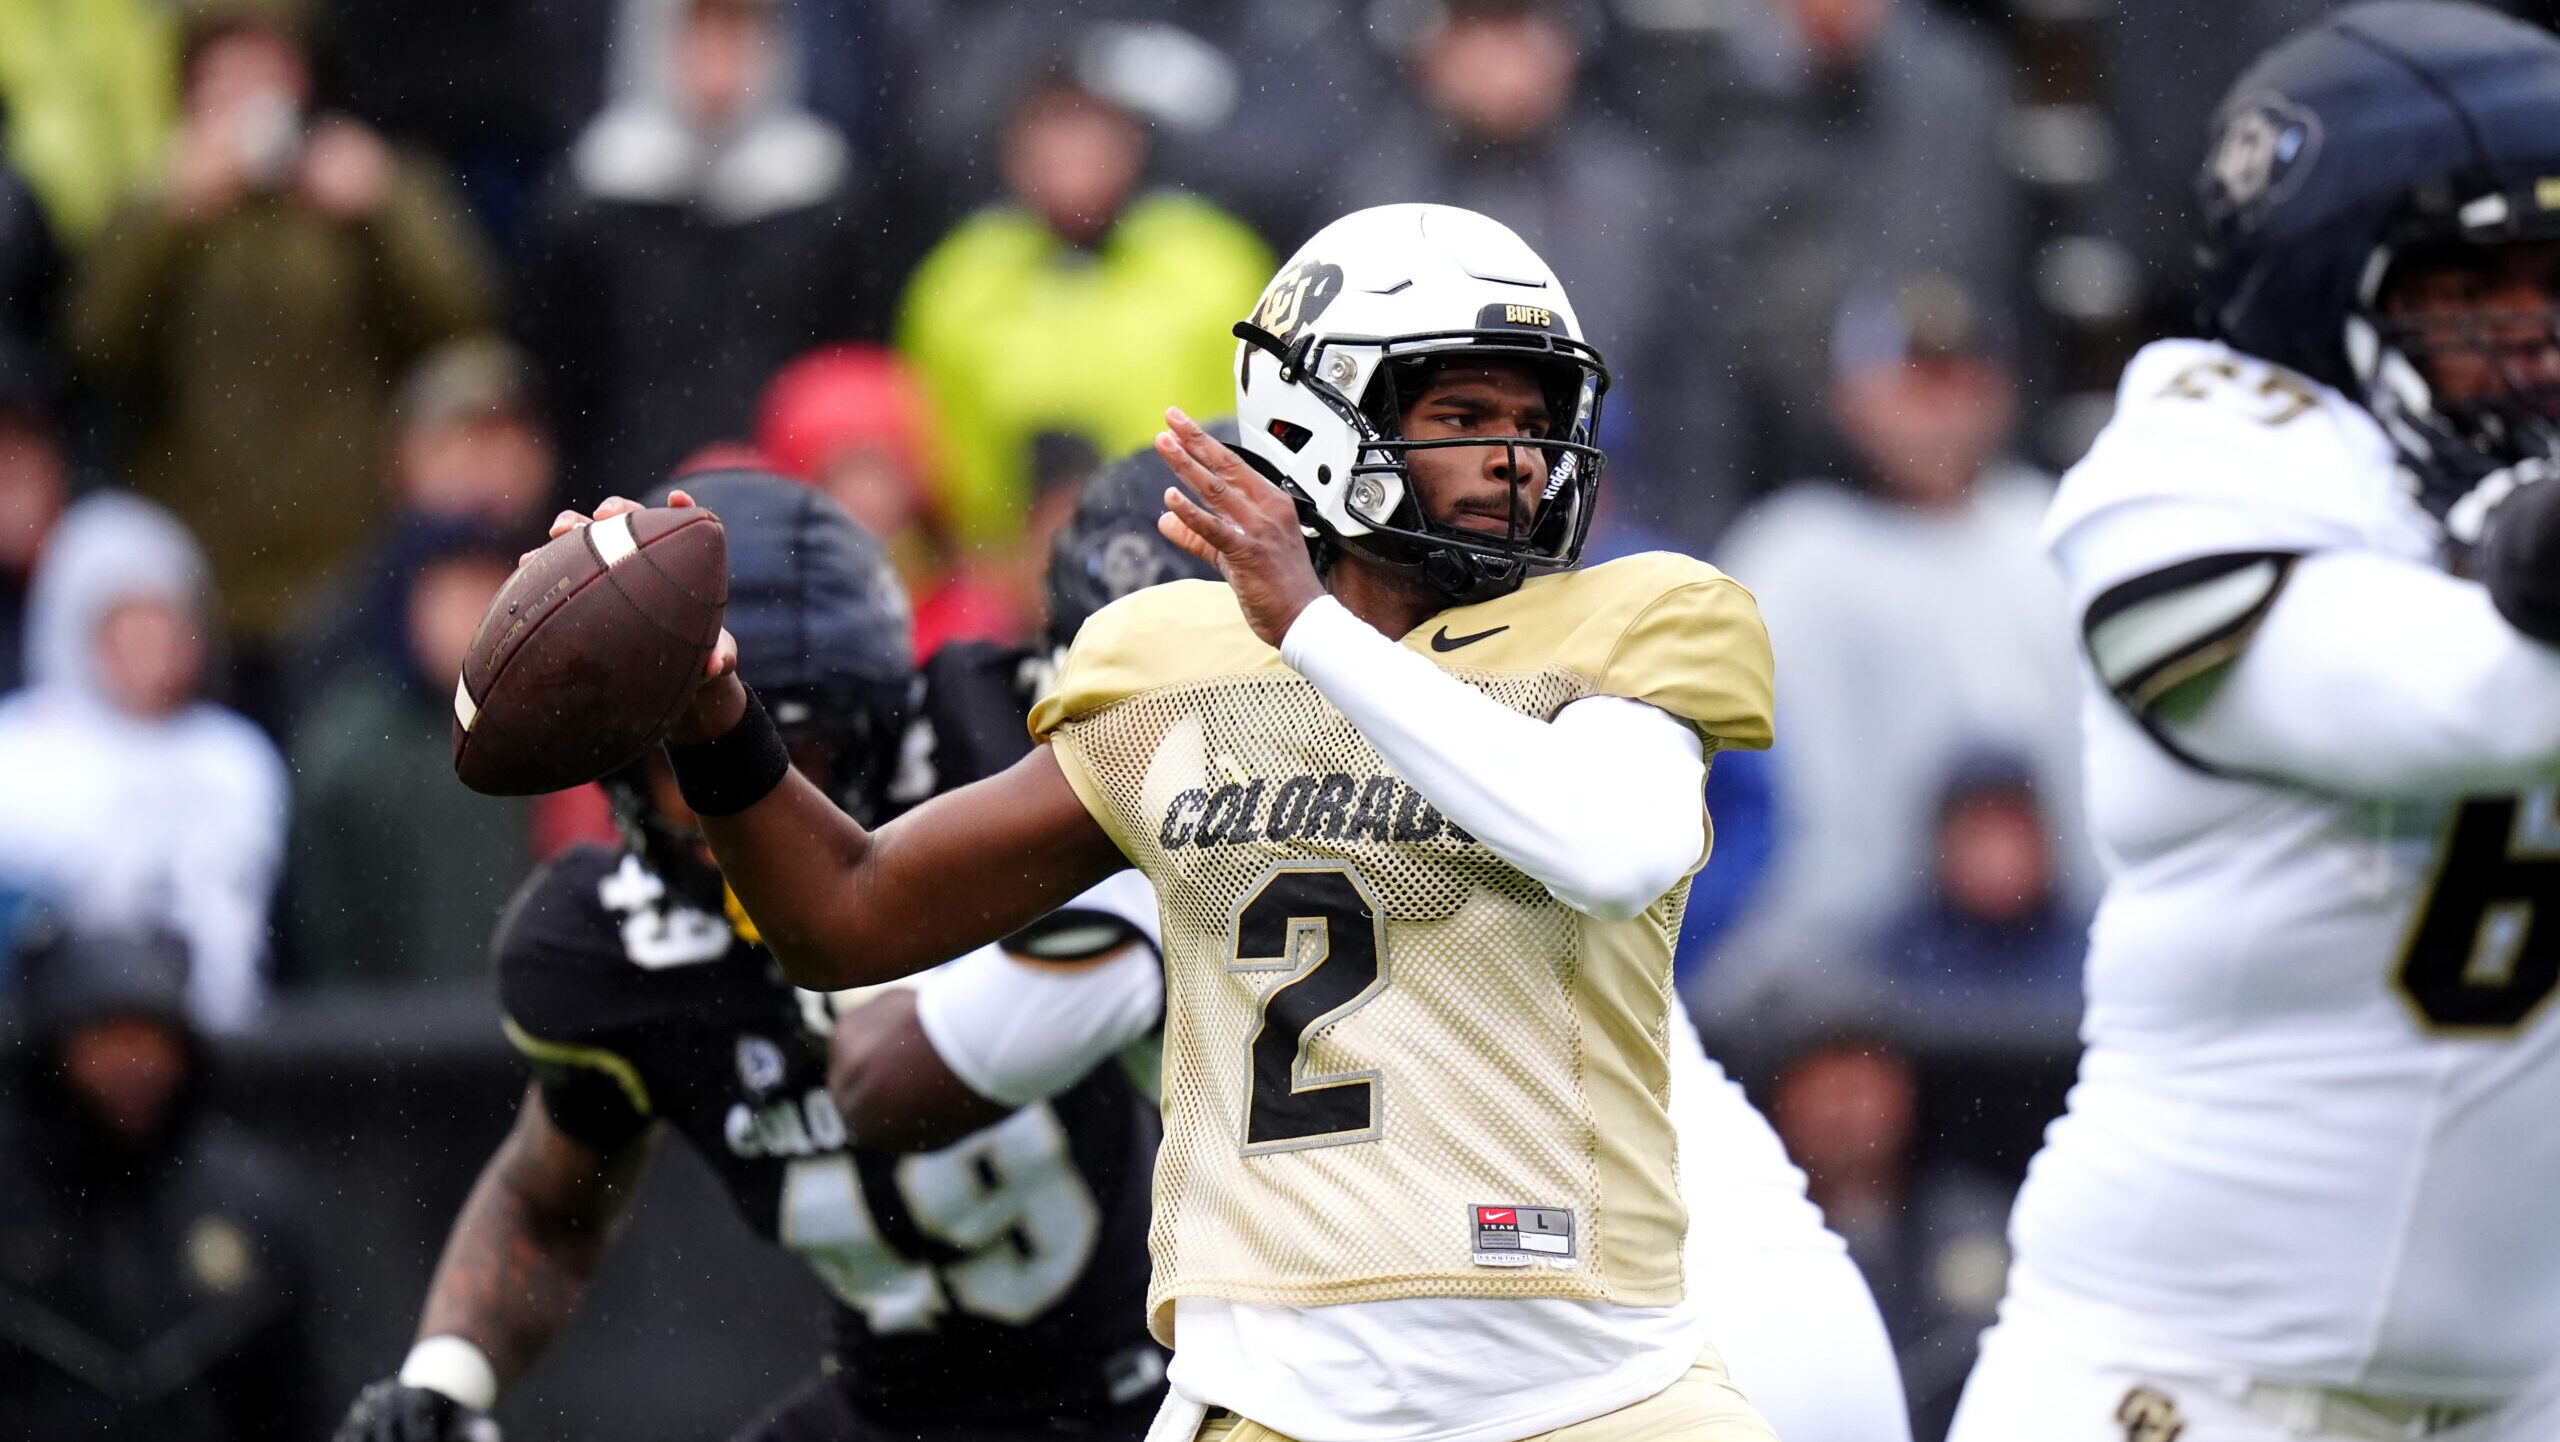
(522, 1250)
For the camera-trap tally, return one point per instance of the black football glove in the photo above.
(2519, 558)
(388, 1411)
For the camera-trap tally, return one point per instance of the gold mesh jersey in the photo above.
(1394, 1065)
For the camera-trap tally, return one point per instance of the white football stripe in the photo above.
(613, 539)
(2150, 632)
(465, 710)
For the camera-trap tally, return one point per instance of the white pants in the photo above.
(1802, 1339)
(2533, 1417)
(1791, 1313)
(2031, 1385)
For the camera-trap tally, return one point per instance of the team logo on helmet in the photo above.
(2267, 145)
(1129, 563)
(1297, 296)
(760, 1065)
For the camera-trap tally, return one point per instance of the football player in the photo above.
(2304, 1187)
(988, 1287)
(977, 693)
(1005, 1027)
(1419, 801)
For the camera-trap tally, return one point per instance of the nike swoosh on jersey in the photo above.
(1441, 640)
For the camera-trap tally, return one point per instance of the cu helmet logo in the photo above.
(2267, 145)
(1127, 564)
(2149, 1416)
(1297, 297)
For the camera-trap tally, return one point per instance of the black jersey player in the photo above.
(988, 1288)
(977, 695)
(1086, 966)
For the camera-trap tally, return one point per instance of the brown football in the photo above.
(589, 651)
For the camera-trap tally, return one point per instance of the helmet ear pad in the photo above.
(1305, 432)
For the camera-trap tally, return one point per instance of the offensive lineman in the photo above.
(988, 1287)
(2305, 1185)
(1419, 1177)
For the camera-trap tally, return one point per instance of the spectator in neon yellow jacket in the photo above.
(91, 91)
(1071, 307)
(255, 307)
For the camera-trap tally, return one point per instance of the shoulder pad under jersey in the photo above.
(2288, 463)
(579, 946)
(976, 700)
(1658, 627)
(1661, 628)
(1161, 636)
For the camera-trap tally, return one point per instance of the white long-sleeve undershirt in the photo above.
(2375, 676)
(1019, 1030)
(1602, 805)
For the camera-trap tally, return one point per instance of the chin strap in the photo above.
(1467, 579)
(1463, 577)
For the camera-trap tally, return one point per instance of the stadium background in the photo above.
(1801, 229)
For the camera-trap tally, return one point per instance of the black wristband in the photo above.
(734, 770)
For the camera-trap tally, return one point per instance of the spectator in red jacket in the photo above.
(852, 421)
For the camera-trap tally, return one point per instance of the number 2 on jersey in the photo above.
(1322, 923)
(2482, 955)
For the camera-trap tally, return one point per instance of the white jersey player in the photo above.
(1799, 1330)
(2305, 1185)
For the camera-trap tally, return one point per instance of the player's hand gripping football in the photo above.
(721, 698)
(1241, 523)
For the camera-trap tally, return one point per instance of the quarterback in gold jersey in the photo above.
(1420, 801)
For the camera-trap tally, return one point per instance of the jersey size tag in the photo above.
(1523, 1236)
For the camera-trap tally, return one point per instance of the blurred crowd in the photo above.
(312, 312)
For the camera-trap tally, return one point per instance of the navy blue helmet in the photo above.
(2392, 129)
(822, 625)
(1111, 547)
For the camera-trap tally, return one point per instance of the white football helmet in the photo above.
(1350, 329)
